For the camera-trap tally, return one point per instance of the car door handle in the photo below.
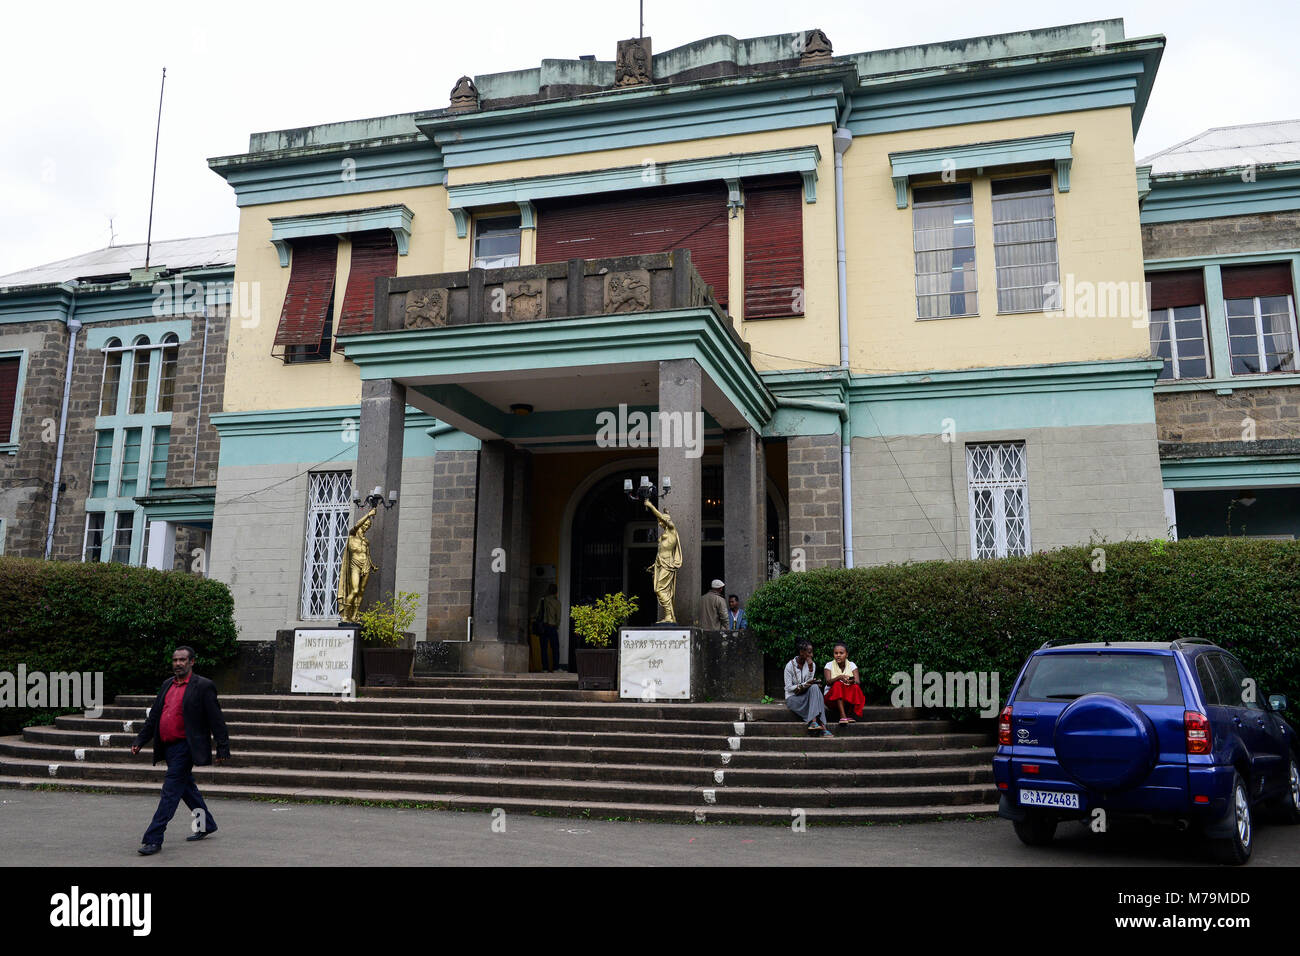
(1237, 721)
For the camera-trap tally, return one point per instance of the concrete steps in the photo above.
(536, 744)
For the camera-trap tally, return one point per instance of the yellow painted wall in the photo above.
(254, 378)
(812, 339)
(1098, 241)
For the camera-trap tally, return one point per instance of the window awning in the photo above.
(396, 219)
(310, 293)
(1056, 148)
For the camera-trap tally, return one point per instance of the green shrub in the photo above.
(596, 623)
(123, 621)
(1243, 594)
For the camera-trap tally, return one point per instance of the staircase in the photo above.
(537, 744)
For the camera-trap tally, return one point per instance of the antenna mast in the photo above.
(153, 184)
(641, 30)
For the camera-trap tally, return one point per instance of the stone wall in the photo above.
(1211, 237)
(188, 405)
(1206, 416)
(911, 503)
(454, 498)
(816, 499)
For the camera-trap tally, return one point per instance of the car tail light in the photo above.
(1004, 727)
(1197, 726)
(1030, 768)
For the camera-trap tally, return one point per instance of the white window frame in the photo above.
(476, 259)
(310, 604)
(917, 295)
(85, 537)
(1055, 241)
(998, 487)
(1173, 343)
(117, 529)
(1259, 336)
(9, 443)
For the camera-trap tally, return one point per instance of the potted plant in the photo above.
(388, 648)
(596, 624)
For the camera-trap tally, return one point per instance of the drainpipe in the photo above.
(842, 140)
(74, 326)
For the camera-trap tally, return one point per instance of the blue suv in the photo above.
(1171, 732)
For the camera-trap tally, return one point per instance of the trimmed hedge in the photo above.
(1241, 593)
(123, 621)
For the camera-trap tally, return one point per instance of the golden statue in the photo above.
(668, 560)
(355, 569)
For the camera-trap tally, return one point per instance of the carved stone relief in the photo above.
(426, 309)
(627, 291)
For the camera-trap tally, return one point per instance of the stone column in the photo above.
(451, 544)
(682, 416)
(742, 524)
(379, 465)
(816, 505)
(162, 545)
(499, 546)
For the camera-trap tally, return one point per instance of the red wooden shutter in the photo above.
(773, 249)
(1246, 282)
(1169, 290)
(8, 397)
(311, 288)
(374, 256)
(641, 221)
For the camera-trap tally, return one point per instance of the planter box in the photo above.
(388, 666)
(597, 668)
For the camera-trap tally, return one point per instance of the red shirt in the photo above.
(171, 725)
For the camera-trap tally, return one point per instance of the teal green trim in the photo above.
(800, 159)
(1144, 182)
(10, 443)
(527, 215)
(1082, 79)
(1052, 147)
(1224, 259)
(1241, 191)
(575, 427)
(179, 504)
(456, 441)
(1216, 322)
(396, 218)
(308, 435)
(1226, 385)
(642, 116)
(335, 169)
(465, 351)
(1072, 394)
(461, 217)
(96, 339)
(1233, 471)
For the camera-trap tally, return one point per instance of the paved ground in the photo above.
(59, 828)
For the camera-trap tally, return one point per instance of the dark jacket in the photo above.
(203, 721)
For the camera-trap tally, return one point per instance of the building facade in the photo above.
(1221, 236)
(857, 294)
(108, 374)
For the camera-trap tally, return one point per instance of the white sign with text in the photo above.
(322, 661)
(655, 664)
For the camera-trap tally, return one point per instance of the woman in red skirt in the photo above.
(842, 684)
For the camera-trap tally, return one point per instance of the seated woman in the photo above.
(801, 692)
(842, 684)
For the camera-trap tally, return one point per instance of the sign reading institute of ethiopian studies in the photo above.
(322, 661)
(655, 664)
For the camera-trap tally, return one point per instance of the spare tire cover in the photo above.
(1105, 743)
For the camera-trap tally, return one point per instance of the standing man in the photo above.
(547, 620)
(182, 721)
(735, 614)
(713, 608)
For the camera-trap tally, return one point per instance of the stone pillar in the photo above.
(816, 505)
(519, 546)
(162, 546)
(680, 409)
(742, 524)
(451, 544)
(379, 465)
(500, 529)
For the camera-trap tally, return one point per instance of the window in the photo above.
(329, 511)
(103, 461)
(773, 249)
(158, 460)
(126, 485)
(112, 377)
(943, 241)
(308, 312)
(123, 527)
(1261, 318)
(1024, 242)
(1178, 337)
(92, 550)
(496, 242)
(999, 500)
(9, 374)
(139, 377)
(167, 372)
(374, 256)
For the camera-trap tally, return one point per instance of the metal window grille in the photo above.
(329, 510)
(997, 480)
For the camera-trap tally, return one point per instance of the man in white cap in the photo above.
(713, 608)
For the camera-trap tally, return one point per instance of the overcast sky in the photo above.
(80, 81)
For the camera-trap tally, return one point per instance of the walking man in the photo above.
(713, 608)
(184, 718)
(547, 625)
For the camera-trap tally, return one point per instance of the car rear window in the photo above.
(1138, 678)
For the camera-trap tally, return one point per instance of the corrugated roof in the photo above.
(1229, 147)
(117, 261)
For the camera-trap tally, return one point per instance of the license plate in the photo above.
(1049, 798)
